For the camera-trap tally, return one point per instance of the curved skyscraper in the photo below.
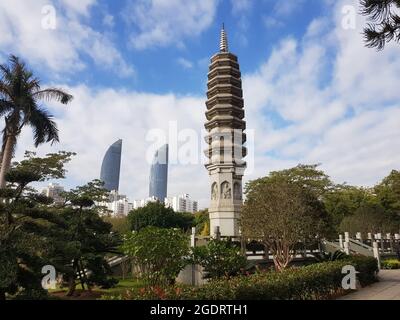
(110, 168)
(159, 174)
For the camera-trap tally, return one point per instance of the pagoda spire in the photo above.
(223, 44)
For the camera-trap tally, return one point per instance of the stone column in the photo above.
(376, 254)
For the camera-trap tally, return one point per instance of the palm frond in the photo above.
(384, 22)
(5, 106)
(44, 128)
(53, 93)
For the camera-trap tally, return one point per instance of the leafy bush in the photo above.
(160, 254)
(156, 214)
(319, 281)
(324, 257)
(391, 264)
(219, 258)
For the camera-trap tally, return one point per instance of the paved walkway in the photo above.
(388, 288)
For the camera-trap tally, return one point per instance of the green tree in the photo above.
(160, 254)
(315, 183)
(370, 218)
(343, 201)
(156, 214)
(202, 222)
(90, 239)
(281, 213)
(20, 96)
(306, 176)
(219, 258)
(384, 22)
(119, 224)
(388, 193)
(29, 229)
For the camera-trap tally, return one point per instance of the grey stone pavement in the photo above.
(388, 288)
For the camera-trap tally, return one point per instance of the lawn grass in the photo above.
(120, 288)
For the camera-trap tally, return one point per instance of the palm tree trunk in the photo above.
(6, 161)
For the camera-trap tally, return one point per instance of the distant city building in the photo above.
(117, 204)
(143, 202)
(120, 207)
(159, 174)
(54, 191)
(111, 166)
(182, 203)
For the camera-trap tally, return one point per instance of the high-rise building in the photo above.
(182, 203)
(117, 204)
(54, 191)
(225, 138)
(159, 174)
(111, 166)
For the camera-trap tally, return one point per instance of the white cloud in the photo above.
(186, 64)
(161, 23)
(62, 49)
(79, 6)
(280, 10)
(286, 8)
(108, 20)
(241, 6)
(336, 99)
(324, 98)
(97, 118)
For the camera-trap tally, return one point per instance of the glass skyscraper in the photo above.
(159, 174)
(110, 168)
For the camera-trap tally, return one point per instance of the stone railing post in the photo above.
(359, 236)
(193, 238)
(382, 245)
(193, 244)
(341, 241)
(376, 254)
(347, 247)
(389, 237)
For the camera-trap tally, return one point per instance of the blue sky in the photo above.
(313, 92)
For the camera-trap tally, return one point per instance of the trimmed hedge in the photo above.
(318, 281)
(314, 282)
(391, 264)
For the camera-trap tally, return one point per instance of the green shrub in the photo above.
(156, 214)
(160, 254)
(319, 281)
(391, 264)
(219, 258)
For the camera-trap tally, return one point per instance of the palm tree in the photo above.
(20, 96)
(384, 19)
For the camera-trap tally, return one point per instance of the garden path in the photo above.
(388, 288)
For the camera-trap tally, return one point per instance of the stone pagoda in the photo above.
(225, 139)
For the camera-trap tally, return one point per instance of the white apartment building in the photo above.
(118, 204)
(54, 190)
(182, 203)
(143, 202)
(120, 207)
